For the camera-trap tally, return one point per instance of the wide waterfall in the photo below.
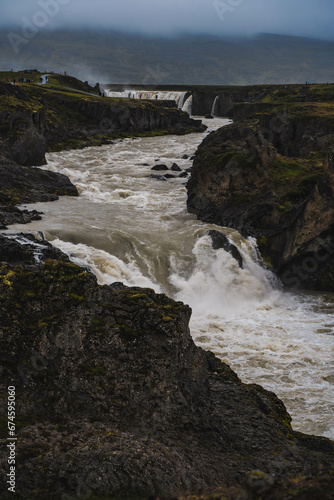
(126, 226)
(178, 97)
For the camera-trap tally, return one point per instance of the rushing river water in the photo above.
(128, 227)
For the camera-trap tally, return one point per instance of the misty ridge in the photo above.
(115, 57)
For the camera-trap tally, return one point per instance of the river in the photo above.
(128, 227)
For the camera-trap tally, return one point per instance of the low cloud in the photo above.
(310, 18)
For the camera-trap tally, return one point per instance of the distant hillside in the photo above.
(111, 57)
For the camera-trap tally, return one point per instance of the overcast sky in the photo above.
(311, 18)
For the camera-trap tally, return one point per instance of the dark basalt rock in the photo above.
(118, 285)
(21, 185)
(115, 398)
(21, 249)
(32, 184)
(12, 215)
(30, 148)
(183, 174)
(209, 117)
(170, 176)
(175, 168)
(185, 157)
(159, 167)
(220, 240)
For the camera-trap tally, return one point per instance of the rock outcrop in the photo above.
(114, 398)
(38, 119)
(272, 177)
(28, 185)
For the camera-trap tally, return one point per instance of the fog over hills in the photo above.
(111, 57)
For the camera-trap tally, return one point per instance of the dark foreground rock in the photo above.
(272, 177)
(114, 400)
(20, 185)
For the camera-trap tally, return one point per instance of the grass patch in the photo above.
(294, 178)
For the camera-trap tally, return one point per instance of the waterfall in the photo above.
(181, 100)
(160, 95)
(214, 105)
(187, 107)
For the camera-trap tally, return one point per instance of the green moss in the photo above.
(137, 295)
(97, 327)
(286, 169)
(167, 319)
(6, 277)
(76, 297)
(263, 241)
(294, 178)
(241, 160)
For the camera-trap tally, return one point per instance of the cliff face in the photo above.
(272, 177)
(98, 122)
(34, 120)
(203, 101)
(113, 396)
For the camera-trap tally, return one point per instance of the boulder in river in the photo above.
(220, 240)
(160, 167)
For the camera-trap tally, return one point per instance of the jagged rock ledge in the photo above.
(20, 185)
(114, 399)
